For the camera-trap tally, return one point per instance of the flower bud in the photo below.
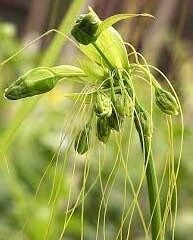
(115, 121)
(103, 129)
(82, 141)
(85, 28)
(142, 122)
(37, 81)
(103, 105)
(166, 102)
(123, 105)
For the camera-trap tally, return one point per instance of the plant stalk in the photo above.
(103, 56)
(151, 178)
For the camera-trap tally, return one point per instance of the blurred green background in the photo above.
(30, 130)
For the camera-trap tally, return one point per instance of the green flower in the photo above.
(41, 80)
(166, 102)
(142, 122)
(103, 105)
(115, 121)
(85, 28)
(103, 129)
(123, 105)
(36, 81)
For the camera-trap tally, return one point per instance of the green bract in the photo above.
(103, 105)
(103, 129)
(166, 102)
(94, 72)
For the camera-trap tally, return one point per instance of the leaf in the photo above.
(94, 72)
(112, 45)
(116, 18)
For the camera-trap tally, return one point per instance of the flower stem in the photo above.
(153, 193)
(144, 130)
(103, 56)
(154, 201)
(112, 89)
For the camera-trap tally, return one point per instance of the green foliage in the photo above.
(116, 18)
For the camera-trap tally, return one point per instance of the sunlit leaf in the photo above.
(116, 18)
(94, 72)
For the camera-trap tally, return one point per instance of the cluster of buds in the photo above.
(109, 115)
(110, 111)
(117, 111)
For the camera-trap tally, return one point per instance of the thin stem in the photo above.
(90, 119)
(151, 178)
(112, 89)
(103, 56)
(154, 200)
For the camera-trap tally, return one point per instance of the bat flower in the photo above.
(106, 68)
(109, 72)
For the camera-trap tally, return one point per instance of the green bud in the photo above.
(115, 121)
(85, 28)
(103, 105)
(103, 129)
(82, 140)
(123, 105)
(37, 81)
(142, 122)
(166, 102)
